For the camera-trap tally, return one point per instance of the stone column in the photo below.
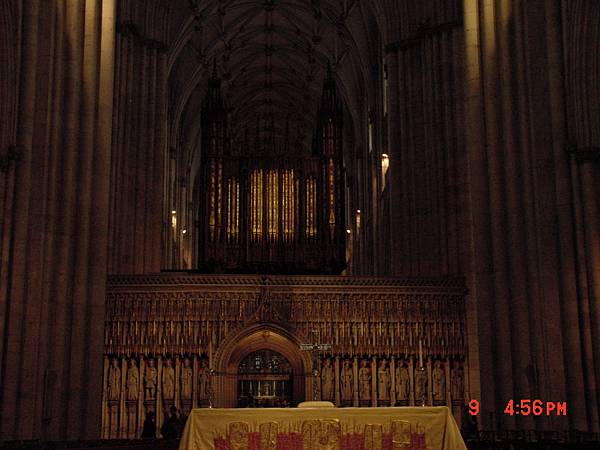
(195, 380)
(338, 400)
(105, 410)
(355, 378)
(580, 61)
(374, 381)
(589, 171)
(393, 381)
(412, 372)
(397, 230)
(137, 206)
(55, 271)
(514, 132)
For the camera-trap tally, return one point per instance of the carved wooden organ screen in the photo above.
(271, 210)
(280, 217)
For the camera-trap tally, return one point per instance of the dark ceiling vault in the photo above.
(272, 56)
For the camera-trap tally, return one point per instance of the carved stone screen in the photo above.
(190, 340)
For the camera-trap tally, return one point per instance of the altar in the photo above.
(402, 428)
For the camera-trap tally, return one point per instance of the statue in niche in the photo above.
(327, 380)
(347, 378)
(384, 380)
(114, 380)
(133, 380)
(457, 383)
(421, 386)
(402, 382)
(150, 379)
(168, 380)
(203, 380)
(439, 382)
(186, 379)
(364, 381)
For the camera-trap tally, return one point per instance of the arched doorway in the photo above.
(269, 342)
(265, 380)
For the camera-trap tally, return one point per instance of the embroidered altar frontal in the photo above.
(405, 428)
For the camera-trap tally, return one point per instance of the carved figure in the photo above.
(364, 381)
(186, 380)
(402, 382)
(203, 380)
(421, 385)
(347, 378)
(457, 383)
(384, 380)
(114, 380)
(439, 382)
(168, 380)
(133, 380)
(327, 380)
(150, 379)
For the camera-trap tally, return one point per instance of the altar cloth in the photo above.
(400, 428)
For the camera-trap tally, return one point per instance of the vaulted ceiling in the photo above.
(272, 56)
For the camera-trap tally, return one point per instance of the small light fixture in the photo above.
(385, 161)
(358, 211)
(173, 212)
(184, 231)
(385, 164)
(348, 231)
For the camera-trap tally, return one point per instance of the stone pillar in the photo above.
(195, 380)
(338, 400)
(393, 381)
(522, 272)
(413, 374)
(397, 230)
(581, 316)
(55, 271)
(374, 381)
(589, 173)
(355, 378)
(139, 144)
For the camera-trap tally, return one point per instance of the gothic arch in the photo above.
(256, 337)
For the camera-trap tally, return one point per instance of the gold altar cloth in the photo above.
(403, 428)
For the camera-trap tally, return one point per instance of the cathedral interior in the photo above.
(255, 203)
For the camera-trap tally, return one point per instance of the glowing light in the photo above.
(385, 164)
(184, 231)
(385, 161)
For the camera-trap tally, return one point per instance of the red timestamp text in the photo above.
(526, 407)
(535, 407)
